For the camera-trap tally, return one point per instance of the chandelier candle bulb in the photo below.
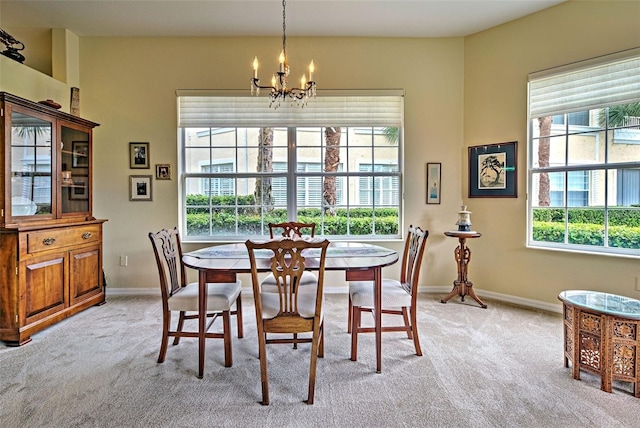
(281, 60)
(255, 67)
(312, 68)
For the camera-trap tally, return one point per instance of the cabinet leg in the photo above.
(16, 343)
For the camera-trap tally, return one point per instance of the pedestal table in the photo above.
(462, 286)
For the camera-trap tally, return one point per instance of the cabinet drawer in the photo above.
(45, 240)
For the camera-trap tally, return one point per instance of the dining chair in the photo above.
(290, 229)
(289, 310)
(398, 297)
(180, 296)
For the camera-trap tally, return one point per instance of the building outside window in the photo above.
(584, 156)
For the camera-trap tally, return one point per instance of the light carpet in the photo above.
(495, 367)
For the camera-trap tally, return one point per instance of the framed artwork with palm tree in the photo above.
(492, 171)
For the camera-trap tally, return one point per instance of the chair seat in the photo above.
(306, 304)
(220, 297)
(308, 280)
(393, 294)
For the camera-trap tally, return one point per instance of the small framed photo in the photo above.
(140, 188)
(80, 188)
(492, 171)
(433, 182)
(80, 150)
(139, 155)
(163, 171)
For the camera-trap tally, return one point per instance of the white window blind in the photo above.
(600, 82)
(210, 108)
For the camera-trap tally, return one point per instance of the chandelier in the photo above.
(278, 91)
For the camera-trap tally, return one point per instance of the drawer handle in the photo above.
(87, 235)
(48, 241)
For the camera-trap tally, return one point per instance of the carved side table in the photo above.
(601, 336)
(462, 286)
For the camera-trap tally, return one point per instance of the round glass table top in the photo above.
(609, 304)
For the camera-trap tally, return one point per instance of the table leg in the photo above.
(377, 297)
(202, 317)
(462, 286)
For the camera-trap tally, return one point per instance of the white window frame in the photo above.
(584, 86)
(346, 109)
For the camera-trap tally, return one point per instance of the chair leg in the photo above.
(312, 367)
(355, 324)
(176, 339)
(321, 345)
(295, 340)
(166, 324)
(349, 315)
(414, 331)
(264, 377)
(239, 316)
(405, 316)
(226, 323)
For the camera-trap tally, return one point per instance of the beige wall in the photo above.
(497, 63)
(459, 93)
(128, 85)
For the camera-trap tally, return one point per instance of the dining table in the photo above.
(222, 263)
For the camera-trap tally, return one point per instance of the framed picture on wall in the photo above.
(140, 188)
(433, 182)
(492, 171)
(163, 171)
(139, 155)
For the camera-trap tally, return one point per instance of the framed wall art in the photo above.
(140, 188)
(80, 154)
(492, 171)
(139, 155)
(434, 176)
(163, 171)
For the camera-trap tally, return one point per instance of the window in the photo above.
(243, 165)
(576, 189)
(378, 190)
(215, 186)
(583, 161)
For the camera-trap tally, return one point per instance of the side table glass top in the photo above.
(610, 304)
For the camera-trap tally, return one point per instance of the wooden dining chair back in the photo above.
(180, 296)
(289, 310)
(290, 229)
(399, 297)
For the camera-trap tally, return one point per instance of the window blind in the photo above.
(211, 108)
(600, 82)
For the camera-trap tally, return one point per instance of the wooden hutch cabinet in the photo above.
(50, 244)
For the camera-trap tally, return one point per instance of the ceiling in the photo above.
(359, 18)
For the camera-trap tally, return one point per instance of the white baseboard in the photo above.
(444, 289)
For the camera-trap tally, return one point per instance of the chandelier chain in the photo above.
(284, 27)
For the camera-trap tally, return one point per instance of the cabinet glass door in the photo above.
(31, 165)
(75, 171)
